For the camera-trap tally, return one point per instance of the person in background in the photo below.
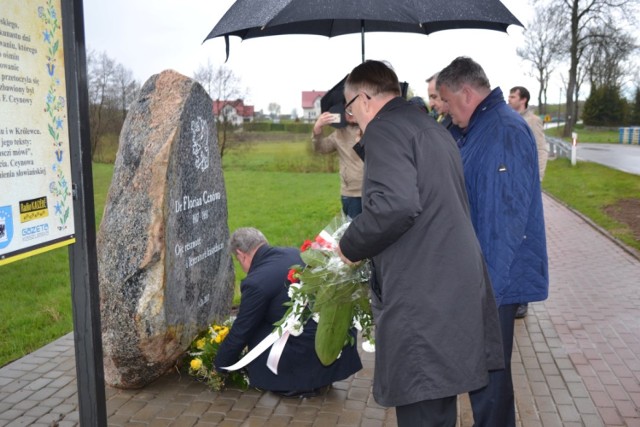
(501, 175)
(263, 293)
(519, 100)
(436, 324)
(439, 109)
(342, 140)
(436, 106)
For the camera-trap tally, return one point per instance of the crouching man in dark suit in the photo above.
(263, 293)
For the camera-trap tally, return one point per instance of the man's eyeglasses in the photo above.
(348, 104)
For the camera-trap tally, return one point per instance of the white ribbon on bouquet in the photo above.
(276, 340)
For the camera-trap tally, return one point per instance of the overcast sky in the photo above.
(149, 36)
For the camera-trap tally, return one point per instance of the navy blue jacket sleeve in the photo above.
(253, 305)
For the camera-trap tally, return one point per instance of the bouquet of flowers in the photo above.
(201, 354)
(331, 293)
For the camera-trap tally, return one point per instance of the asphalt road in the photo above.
(624, 157)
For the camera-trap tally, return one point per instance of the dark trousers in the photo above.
(429, 413)
(351, 206)
(494, 405)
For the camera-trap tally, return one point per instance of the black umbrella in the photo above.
(333, 97)
(333, 101)
(259, 18)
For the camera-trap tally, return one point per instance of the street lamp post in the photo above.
(560, 107)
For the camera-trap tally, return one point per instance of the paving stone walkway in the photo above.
(576, 361)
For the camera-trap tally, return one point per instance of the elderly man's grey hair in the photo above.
(246, 239)
(463, 70)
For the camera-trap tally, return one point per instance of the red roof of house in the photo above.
(309, 97)
(241, 109)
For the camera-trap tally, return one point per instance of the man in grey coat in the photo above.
(437, 332)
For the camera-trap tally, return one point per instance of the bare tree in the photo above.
(274, 110)
(126, 87)
(100, 73)
(607, 57)
(205, 75)
(607, 61)
(224, 88)
(544, 47)
(584, 17)
(111, 89)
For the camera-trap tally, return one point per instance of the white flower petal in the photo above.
(368, 346)
(296, 329)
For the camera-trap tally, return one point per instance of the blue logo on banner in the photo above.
(6, 226)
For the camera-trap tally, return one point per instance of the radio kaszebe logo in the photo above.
(33, 209)
(30, 210)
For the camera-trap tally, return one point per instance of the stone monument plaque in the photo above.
(164, 266)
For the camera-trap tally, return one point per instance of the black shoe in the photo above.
(297, 393)
(304, 394)
(521, 312)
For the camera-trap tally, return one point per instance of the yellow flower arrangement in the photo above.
(195, 364)
(201, 354)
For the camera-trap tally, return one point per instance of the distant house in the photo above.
(311, 104)
(235, 111)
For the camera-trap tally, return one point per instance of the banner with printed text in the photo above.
(36, 207)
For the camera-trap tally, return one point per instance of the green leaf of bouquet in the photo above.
(333, 329)
(335, 294)
(313, 279)
(313, 257)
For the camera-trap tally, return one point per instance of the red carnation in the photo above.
(306, 245)
(292, 276)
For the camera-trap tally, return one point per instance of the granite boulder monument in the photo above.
(165, 270)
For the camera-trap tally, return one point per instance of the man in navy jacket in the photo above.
(500, 162)
(264, 291)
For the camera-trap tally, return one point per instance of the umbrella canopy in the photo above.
(259, 18)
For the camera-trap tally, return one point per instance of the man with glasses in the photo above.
(437, 332)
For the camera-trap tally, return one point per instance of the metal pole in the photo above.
(85, 298)
(560, 107)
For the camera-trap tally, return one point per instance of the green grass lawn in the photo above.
(296, 156)
(279, 187)
(589, 188)
(288, 206)
(35, 293)
(588, 135)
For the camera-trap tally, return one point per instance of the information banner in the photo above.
(36, 206)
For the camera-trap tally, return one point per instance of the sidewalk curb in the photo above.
(631, 251)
